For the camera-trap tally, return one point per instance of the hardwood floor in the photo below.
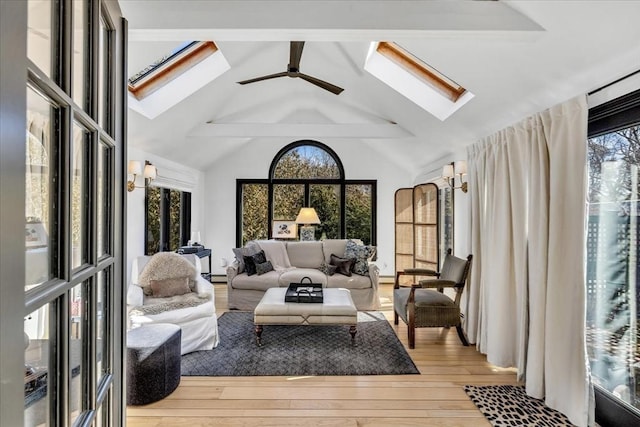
(433, 398)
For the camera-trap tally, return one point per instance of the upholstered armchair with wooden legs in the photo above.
(425, 305)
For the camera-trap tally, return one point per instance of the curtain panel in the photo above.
(525, 307)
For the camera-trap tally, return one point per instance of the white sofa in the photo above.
(199, 324)
(305, 257)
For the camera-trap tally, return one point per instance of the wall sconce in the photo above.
(450, 171)
(307, 216)
(135, 169)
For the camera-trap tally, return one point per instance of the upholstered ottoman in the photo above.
(153, 362)
(337, 308)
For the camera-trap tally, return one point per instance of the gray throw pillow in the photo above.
(240, 253)
(328, 269)
(264, 267)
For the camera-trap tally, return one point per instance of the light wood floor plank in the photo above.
(433, 398)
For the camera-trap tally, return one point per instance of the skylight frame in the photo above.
(156, 75)
(438, 81)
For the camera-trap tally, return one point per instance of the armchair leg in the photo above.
(461, 335)
(395, 318)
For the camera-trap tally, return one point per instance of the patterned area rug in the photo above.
(507, 405)
(301, 350)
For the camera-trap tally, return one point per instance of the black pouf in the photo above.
(153, 362)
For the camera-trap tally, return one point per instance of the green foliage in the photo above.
(307, 163)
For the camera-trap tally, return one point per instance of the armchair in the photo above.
(425, 305)
(196, 318)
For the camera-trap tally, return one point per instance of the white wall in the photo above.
(252, 160)
(170, 175)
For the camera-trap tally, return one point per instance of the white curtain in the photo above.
(525, 304)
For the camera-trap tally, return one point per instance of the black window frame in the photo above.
(613, 115)
(307, 182)
(165, 216)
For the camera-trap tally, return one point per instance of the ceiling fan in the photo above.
(293, 70)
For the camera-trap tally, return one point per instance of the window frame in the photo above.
(165, 218)
(610, 116)
(307, 182)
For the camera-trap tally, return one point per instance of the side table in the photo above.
(203, 254)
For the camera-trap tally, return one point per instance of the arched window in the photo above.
(306, 174)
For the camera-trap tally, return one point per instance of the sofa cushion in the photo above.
(333, 246)
(362, 254)
(296, 275)
(255, 282)
(305, 254)
(350, 282)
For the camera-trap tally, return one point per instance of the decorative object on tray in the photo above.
(306, 292)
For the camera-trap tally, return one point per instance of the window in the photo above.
(172, 78)
(415, 79)
(613, 272)
(168, 219)
(307, 174)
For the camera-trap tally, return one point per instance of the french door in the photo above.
(62, 155)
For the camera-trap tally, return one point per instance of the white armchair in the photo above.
(198, 323)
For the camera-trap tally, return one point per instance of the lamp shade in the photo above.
(447, 171)
(460, 167)
(134, 167)
(150, 171)
(307, 216)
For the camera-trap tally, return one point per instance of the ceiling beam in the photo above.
(338, 130)
(248, 20)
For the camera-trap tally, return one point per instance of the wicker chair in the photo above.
(423, 308)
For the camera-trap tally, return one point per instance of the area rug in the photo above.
(507, 405)
(301, 350)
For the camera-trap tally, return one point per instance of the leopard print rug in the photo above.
(510, 406)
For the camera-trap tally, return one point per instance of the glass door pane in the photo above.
(40, 35)
(326, 201)
(38, 368)
(80, 196)
(255, 212)
(152, 239)
(359, 211)
(613, 272)
(80, 69)
(287, 201)
(41, 149)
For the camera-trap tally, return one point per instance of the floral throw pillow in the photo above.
(362, 254)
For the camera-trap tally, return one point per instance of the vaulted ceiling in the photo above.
(517, 57)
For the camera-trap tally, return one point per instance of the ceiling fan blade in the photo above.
(295, 54)
(321, 83)
(258, 79)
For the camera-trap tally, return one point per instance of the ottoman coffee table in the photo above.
(337, 308)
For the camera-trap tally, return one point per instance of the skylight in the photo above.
(416, 80)
(174, 77)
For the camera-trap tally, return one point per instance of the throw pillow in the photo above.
(327, 269)
(362, 254)
(240, 253)
(343, 265)
(264, 267)
(169, 287)
(250, 262)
